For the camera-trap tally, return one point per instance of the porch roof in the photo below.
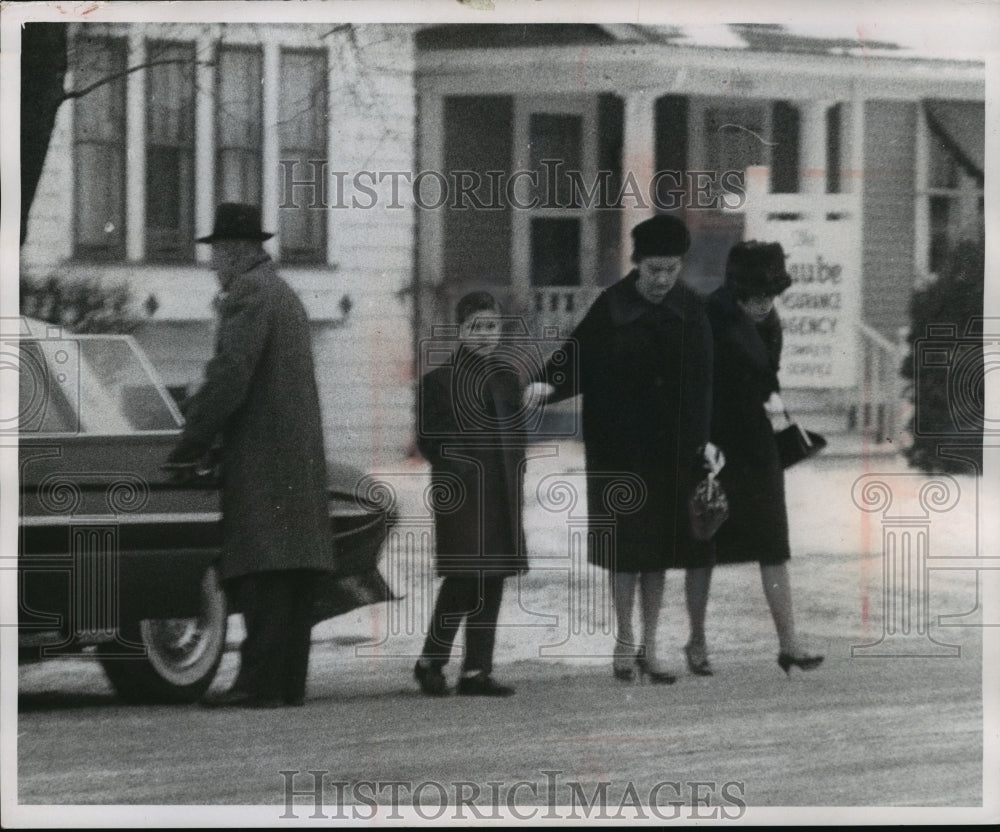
(932, 41)
(748, 60)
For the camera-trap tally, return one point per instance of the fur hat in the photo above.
(755, 269)
(660, 236)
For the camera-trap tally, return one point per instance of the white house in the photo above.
(401, 165)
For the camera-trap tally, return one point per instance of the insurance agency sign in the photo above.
(820, 311)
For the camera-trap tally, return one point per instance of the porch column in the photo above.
(135, 158)
(854, 142)
(430, 224)
(271, 170)
(204, 136)
(812, 150)
(638, 166)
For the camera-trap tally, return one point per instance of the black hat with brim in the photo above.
(755, 269)
(236, 221)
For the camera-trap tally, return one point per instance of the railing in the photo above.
(559, 308)
(882, 409)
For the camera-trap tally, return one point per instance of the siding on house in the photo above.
(364, 361)
(889, 201)
(365, 368)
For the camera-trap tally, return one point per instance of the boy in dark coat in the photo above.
(471, 431)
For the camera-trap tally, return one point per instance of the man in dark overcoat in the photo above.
(471, 430)
(259, 397)
(644, 353)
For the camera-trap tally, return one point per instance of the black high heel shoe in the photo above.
(697, 662)
(786, 661)
(656, 677)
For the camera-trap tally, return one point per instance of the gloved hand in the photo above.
(182, 473)
(536, 393)
(191, 470)
(774, 406)
(713, 458)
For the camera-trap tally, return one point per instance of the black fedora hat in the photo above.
(236, 221)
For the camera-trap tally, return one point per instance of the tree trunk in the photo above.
(43, 70)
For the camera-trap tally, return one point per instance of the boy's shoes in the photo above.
(482, 685)
(431, 679)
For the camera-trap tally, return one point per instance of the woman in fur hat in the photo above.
(746, 333)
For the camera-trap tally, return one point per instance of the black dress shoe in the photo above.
(431, 680)
(697, 661)
(656, 677)
(241, 699)
(786, 661)
(482, 685)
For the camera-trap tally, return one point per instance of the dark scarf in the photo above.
(760, 343)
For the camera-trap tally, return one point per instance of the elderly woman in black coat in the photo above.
(747, 336)
(644, 355)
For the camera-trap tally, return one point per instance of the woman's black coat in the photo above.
(747, 357)
(469, 430)
(645, 373)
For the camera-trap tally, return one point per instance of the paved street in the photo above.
(861, 731)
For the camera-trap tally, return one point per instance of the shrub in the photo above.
(81, 305)
(953, 301)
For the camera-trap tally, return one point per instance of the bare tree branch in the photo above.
(69, 94)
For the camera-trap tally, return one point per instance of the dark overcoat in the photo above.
(747, 357)
(645, 373)
(470, 432)
(259, 395)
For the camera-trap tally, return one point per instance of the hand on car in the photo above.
(181, 473)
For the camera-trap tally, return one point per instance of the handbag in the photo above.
(795, 443)
(708, 508)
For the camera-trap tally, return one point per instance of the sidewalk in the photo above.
(560, 611)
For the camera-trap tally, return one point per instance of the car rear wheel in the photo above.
(182, 654)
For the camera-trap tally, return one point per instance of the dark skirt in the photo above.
(757, 526)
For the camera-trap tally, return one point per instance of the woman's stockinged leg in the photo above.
(778, 591)
(696, 585)
(623, 589)
(651, 585)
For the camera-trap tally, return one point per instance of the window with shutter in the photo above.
(170, 96)
(99, 149)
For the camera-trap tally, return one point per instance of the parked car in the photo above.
(114, 558)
